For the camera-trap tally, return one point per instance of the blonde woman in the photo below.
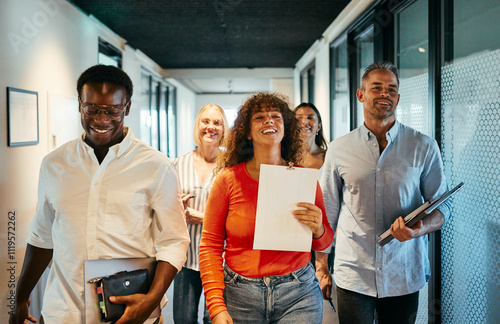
(196, 176)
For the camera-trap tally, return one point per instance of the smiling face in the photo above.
(379, 95)
(101, 131)
(267, 127)
(210, 127)
(308, 121)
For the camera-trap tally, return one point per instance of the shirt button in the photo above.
(91, 247)
(374, 144)
(379, 222)
(378, 169)
(378, 195)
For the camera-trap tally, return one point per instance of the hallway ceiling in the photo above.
(217, 33)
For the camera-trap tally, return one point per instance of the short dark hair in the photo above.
(240, 149)
(319, 139)
(385, 65)
(105, 74)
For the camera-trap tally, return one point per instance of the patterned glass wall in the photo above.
(471, 150)
(413, 110)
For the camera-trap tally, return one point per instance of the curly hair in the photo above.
(240, 149)
(319, 139)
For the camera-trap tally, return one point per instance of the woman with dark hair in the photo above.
(312, 134)
(314, 157)
(258, 285)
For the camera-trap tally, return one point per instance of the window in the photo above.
(170, 95)
(154, 110)
(142, 97)
(108, 54)
(340, 109)
(307, 84)
(412, 60)
(364, 57)
(158, 114)
(471, 151)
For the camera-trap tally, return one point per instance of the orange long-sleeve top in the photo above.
(230, 218)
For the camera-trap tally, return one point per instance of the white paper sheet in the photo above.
(280, 189)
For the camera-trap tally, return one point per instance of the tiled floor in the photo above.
(329, 316)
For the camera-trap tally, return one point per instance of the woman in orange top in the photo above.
(261, 286)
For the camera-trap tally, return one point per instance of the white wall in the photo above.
(229, 102)
(319, 53)
(283, 86)
(40, 52)
(322, 87)
(186, 114)
(45, 45)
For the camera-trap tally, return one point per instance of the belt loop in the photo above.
(234, 276)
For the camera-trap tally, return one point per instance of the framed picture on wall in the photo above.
(22, 115)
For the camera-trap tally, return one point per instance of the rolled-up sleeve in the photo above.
(173, 240)
(433, 180)
(331, 185)
(41, 226)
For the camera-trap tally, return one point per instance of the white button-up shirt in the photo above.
(126, 207)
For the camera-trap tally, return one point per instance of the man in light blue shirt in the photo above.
(372, 176)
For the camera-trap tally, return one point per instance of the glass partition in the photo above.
(412, 59)
(412, 55)
(471, 149)
(340, 109)
(365, 56)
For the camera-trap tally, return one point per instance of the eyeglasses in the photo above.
(112, 111)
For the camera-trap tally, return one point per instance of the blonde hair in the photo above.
(196, 133)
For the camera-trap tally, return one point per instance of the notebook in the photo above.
(420, 213)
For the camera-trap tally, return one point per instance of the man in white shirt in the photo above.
(105, 195)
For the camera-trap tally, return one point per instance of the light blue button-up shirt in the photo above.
(365, 191)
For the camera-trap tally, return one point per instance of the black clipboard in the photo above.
(420, 213)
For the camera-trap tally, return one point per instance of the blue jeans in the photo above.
(187, 292)
(288, 299)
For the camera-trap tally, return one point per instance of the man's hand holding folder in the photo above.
(402, 233)
(412, 225)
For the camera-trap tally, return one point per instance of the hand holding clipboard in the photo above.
(420, 213)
